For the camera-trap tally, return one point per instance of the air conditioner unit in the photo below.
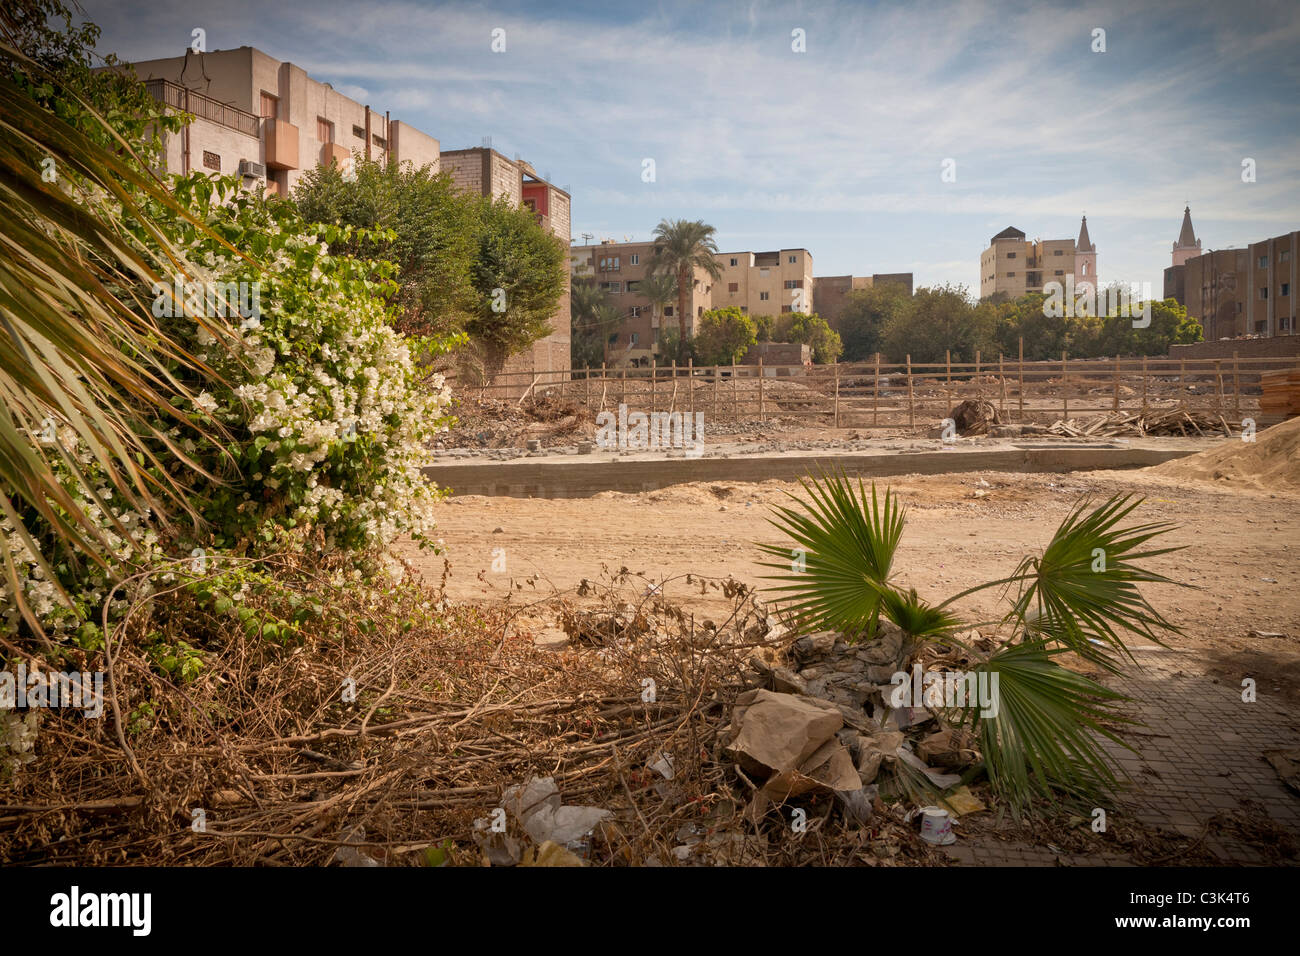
(251, 170)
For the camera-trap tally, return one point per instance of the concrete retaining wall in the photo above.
(571, 478)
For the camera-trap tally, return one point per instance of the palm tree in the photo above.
(79, 349)
(592, 316)
(660, 289)
(1080, 595)
(682, 246)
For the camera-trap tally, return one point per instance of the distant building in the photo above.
(1187, 246)
(268, 121)
(831, 293)
(1242, 292)
(1015, 266)
(765, 283)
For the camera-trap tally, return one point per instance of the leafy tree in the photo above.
(434, 230)
(723, 336)
(866, 313)
(937, 321)
(809, 330)
(682, 246)
(519, 274)
(763, 326)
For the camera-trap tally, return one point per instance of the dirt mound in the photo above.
(1270, 462)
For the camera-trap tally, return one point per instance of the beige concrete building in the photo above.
(268, 121)
(1236, 293)
(765, 283)
(486, 172)
(619, 268)
(1014, 266)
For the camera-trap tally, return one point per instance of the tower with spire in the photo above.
(1187, 246)
(1085, 258)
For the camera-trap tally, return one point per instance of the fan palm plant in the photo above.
(1080, 595)
(79, 349)
(682, 246)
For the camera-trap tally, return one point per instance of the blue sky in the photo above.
(838, 149)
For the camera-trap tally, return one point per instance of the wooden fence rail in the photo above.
(880, 394)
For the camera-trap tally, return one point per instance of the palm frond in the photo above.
(1046, 733)
(845, 543)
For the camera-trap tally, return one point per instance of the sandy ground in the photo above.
(1239, 556)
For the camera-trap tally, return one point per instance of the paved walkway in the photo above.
(1200, 753)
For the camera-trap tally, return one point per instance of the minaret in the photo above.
(1085, 258)
(1187, 246)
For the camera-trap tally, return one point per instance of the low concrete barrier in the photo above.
(569, 478)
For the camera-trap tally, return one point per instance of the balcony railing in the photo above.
(202, 106)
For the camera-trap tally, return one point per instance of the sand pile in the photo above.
(1270, 462)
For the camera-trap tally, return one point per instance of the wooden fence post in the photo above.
(1002, 379)
(1218, 389)
(760, 388)
(1021, 416)
(911, 407)
(654, 374)
(947, 375)
(1115, 402)
(1236, 385)
(622, 392)
(1065, 387)
(1144, 385)
(690, 382)
(586, 389)
(714, 409)
(979, 389)
(735, 392)
(875, 397)
(836, 407)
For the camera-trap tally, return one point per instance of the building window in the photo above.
(379, 141)
(785, 308)
(634, 338)
(324, 130)
(762, 297)
(635, 259)
(609, 264)
(1011, 255)
(733, 286)
(359, 132)
(794, 283)
(744, 308)
(1263, 262)
(1011, 275)
(1263, 292)
(616, 288)
(270, 106)
(1284, 255)
(1057, 252)
(1286, 289)
(635, 311)
(1060, 272)
(1084, 271)
(793, 259)
(733, 261)
(668, 312)
(211, 160)
(634, 285)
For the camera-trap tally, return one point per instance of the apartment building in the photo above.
(765, 283)
(1014, 266)
(1242, 292)
(486, 172)
(831, 293)
(619, 268)
(268, 121)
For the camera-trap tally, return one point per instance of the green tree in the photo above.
(809, 330)
(434, 232)
(519, 275)
(763, 326)
(682, 246)
(866, 313)
(723, 336)
(936, 321)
